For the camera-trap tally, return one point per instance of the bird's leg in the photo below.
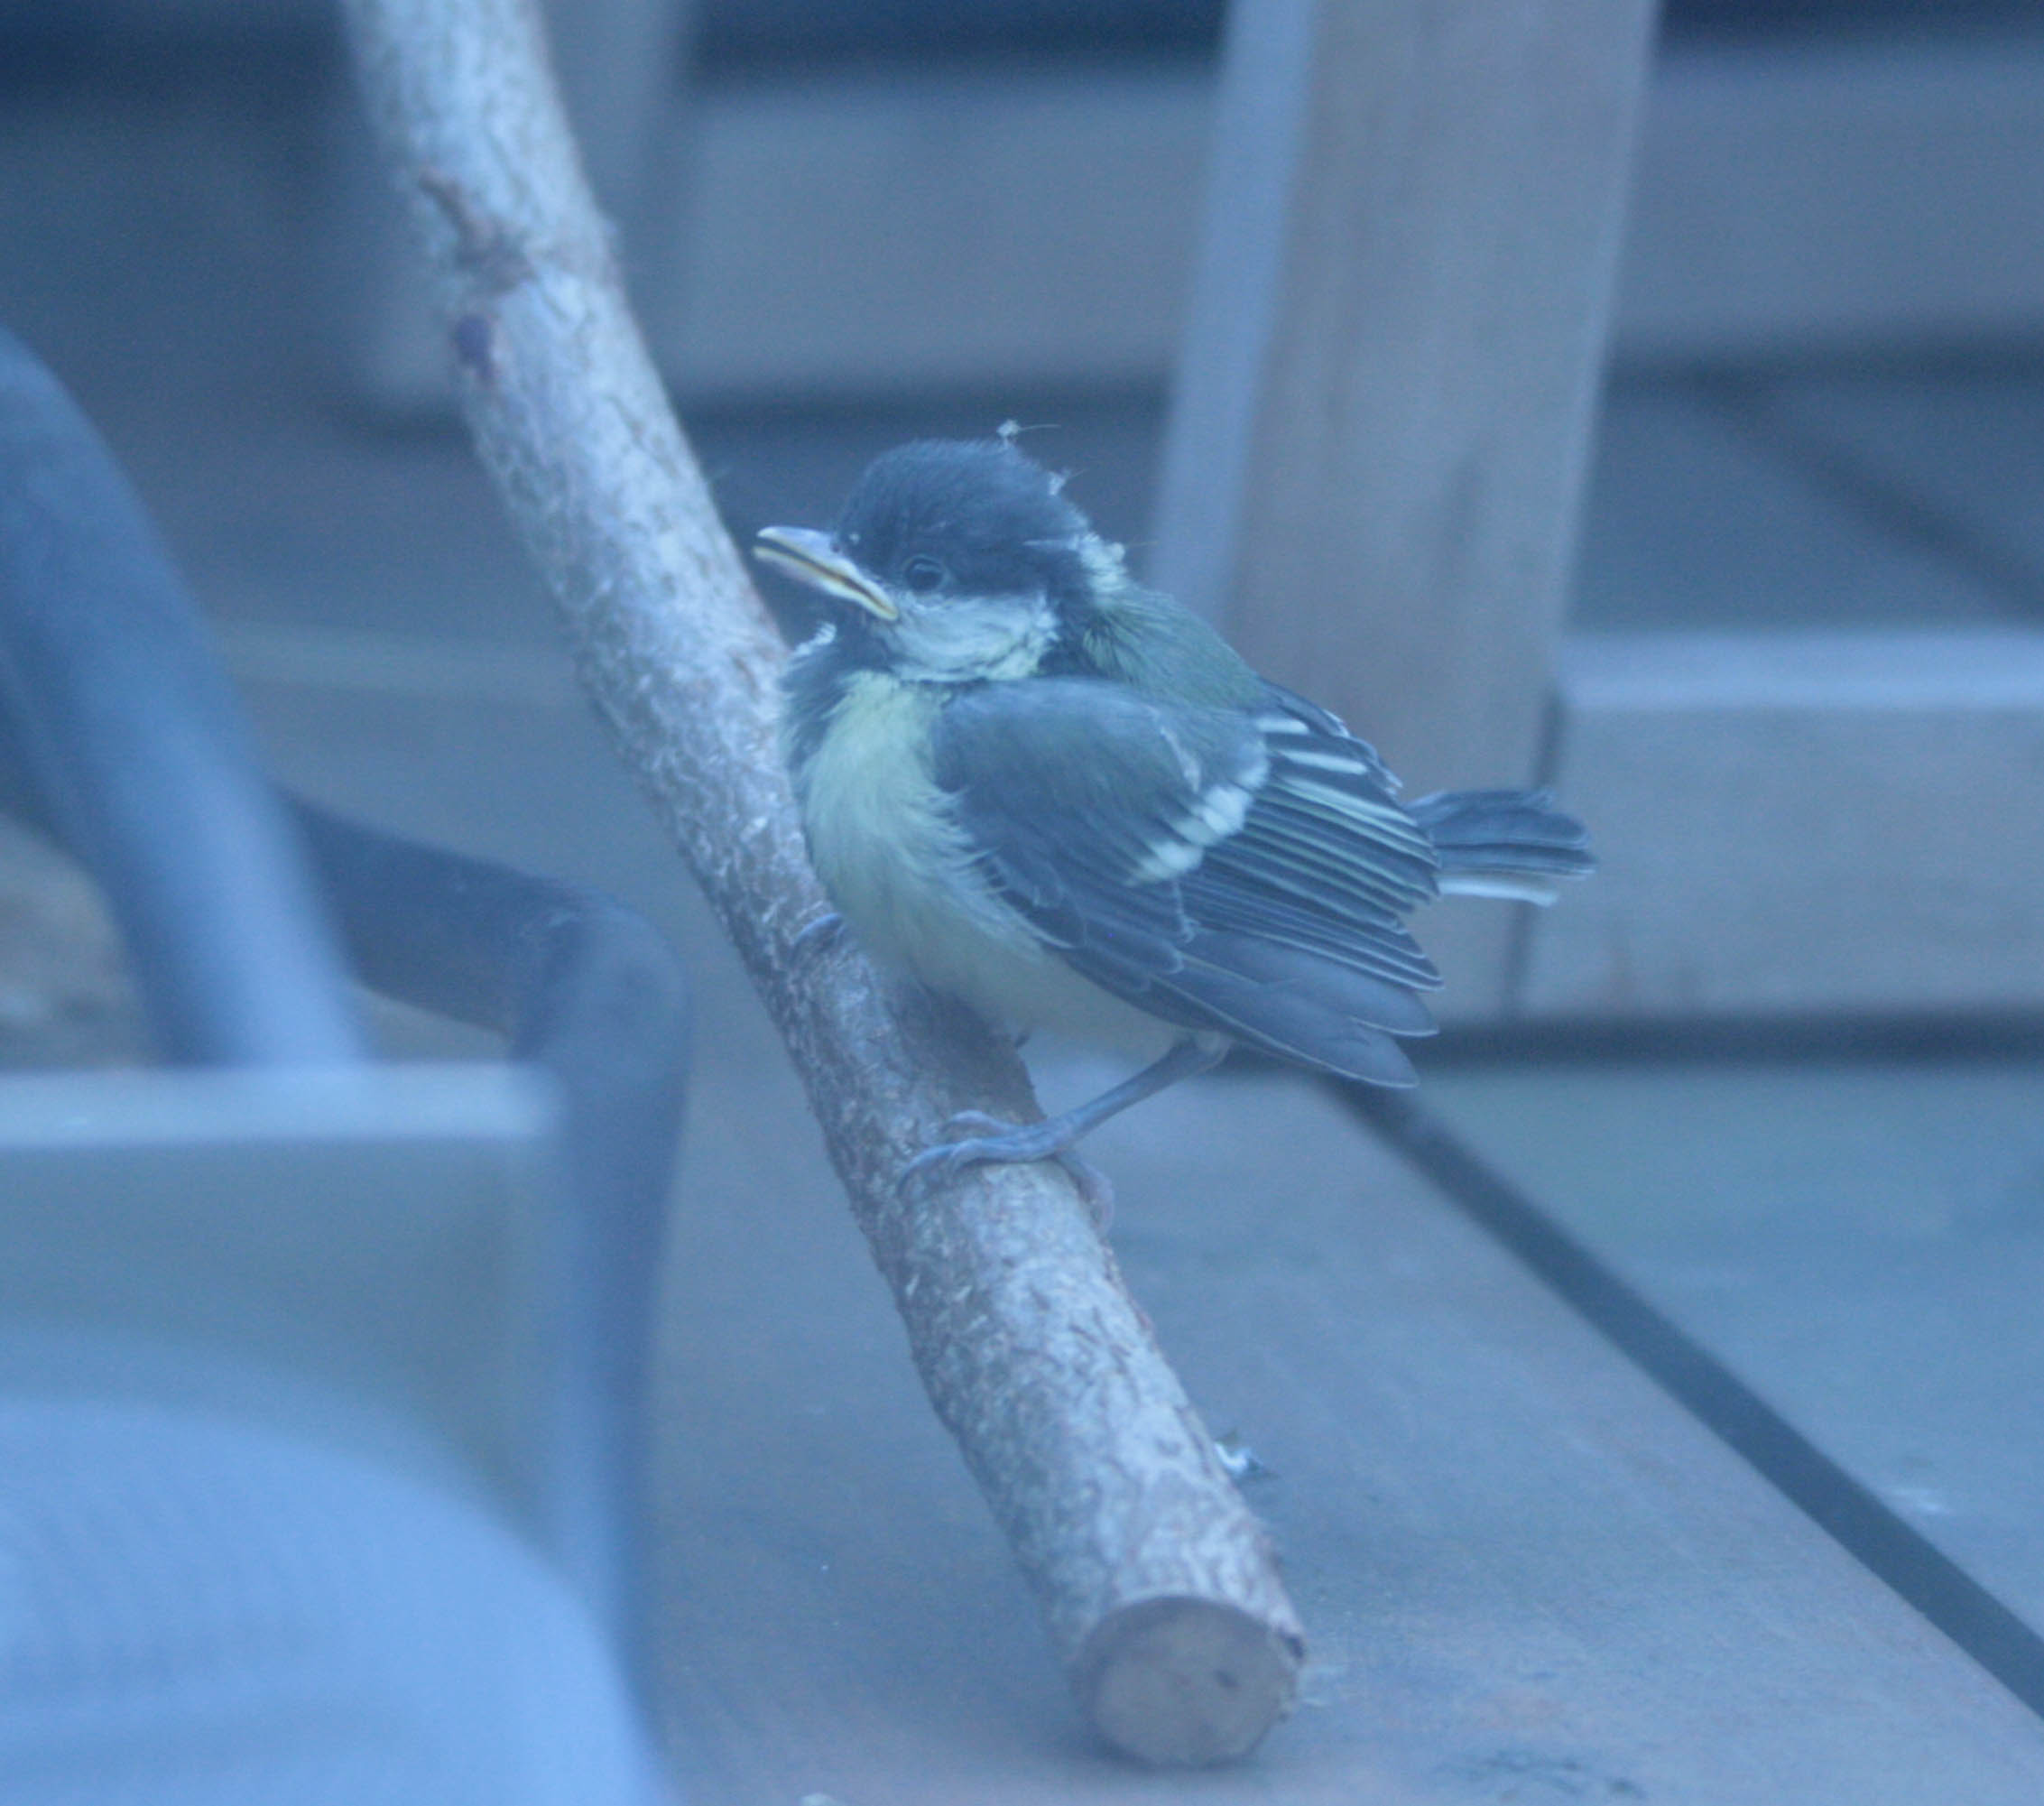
(1054, 1134)
(1093, 1186)
(1052, 1138)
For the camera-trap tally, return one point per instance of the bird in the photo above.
(1055, 795)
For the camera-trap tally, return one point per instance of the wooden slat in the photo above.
(867, 233)
(1702, 516)
(1385, 401)
(1522, 1569)
(1964, 445)
(1857, 1241)
(1836, 196)
(1800, 822)
(850, 234)
(1525, 1574)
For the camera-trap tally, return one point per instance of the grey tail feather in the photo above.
(1486, 838)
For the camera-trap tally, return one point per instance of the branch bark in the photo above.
(1158, 1589)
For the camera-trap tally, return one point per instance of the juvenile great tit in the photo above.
(1060, 797)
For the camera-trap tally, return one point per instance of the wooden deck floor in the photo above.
(1529, 1574)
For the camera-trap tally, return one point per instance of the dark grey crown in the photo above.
(989, 519)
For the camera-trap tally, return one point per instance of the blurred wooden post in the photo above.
(1385, 401)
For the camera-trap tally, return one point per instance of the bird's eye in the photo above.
(921, 575)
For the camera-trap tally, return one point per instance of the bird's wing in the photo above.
(1239, 871)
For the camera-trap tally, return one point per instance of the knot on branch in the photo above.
(484, 247)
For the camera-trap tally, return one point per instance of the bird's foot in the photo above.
(985, 1139)
(1243, 1462)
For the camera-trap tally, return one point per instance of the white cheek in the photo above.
(971, 636)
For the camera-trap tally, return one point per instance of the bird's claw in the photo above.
(819, 936)
(984, 1139)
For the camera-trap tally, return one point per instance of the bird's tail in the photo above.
(1503, 843)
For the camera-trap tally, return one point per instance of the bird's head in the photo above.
(960, 561)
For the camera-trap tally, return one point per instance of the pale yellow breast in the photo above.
(882, 838)
(884, 842)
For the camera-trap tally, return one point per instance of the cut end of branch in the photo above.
(1182, 1682)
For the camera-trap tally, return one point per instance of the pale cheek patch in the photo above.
(971, 638)
(1106, 563)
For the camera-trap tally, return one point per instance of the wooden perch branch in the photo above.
(1158, 1587)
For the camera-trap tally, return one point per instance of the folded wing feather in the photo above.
(1227, 872)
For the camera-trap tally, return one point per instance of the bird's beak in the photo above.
(809, 555)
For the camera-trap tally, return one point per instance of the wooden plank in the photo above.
(1953, 451)
(1525, 1573)
(1858, 1241)
(851, 235)
(1699, 518)
(864, 233)
(1800, 822)
(1780, 201)
(1385, 401)
(1837, 196)
(1522, 1570)
(1521, 1567)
